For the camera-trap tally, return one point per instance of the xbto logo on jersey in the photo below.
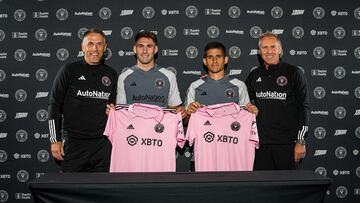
(209, 137)
(132, 140)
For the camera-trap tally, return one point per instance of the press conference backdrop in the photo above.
(322, 38)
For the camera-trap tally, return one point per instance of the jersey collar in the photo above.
(146, 111)
(230, 108)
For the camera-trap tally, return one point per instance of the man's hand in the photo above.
(252, 108)
(108, 107)
(193, 107)
(299, 152)
(181, 109)
(57, 150)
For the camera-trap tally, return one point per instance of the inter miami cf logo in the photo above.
(298, 32)
(357, 53)
(126, 33)
(20, 95)
(213, 31)
(41, 75)
(321, 171)
(62, 54)
(340, 152)
(234, 12)
(191, 11)
(320, 133)
(209, 137)
(234, 52)
(319, 92)
(132, 140)
(21, 136)
(42, 115)
(43, 156)
(19, 15)
(357, 92)
(255, 32)
(281, 81)
(2, 75)
(230, 93)
(277, 12)
(235, 126)
(358, 172)
(41, 34)
(3, 156)
(22, 176)
(339, 33)
(357, 13)
(2, 35)
(62, 14)
(159, 128)
(170, 32)
(341, 192)
(319, 52)
(148, 12)
(4, 196)
(2, 115)
(191, 52)
(20, 55)
(107, 54)
(339, 72)
(159, 83)
(318, 13)
(340, 112)
(106, 81)
(105, 13)
(81, 32)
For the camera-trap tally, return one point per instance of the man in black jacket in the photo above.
(77, 106)
(279, 90)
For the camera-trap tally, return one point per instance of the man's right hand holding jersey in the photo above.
(57, 150)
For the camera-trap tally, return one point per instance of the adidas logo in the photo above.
(133, 84)
(203, 93)
(81, 78)
(207, 123)
(130, 127)
(259, 79)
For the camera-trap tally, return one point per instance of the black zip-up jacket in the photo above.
(78, 100)
(281, 95)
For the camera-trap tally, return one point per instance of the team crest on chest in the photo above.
(106, 81)
(159, 128)
(159, 83)
(281, 81)
(235, 126)
(230, 93)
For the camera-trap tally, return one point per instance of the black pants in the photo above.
(275, 157)
(86, 155)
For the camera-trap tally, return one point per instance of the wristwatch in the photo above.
(302, 142)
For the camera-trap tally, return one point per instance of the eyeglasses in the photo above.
(212, 57)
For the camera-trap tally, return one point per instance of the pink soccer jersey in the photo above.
(225, 137)
(144, 138)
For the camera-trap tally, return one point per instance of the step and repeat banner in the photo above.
(322, 38)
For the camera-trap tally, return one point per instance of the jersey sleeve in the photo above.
(302, 101)
(121, 94)
(180, 137)
(113, 93)
(243, 93)
(110, 125)
(254, 137)
(191, 129)
(56, 102)
(174, 94)
(250, 89)
(190, 96)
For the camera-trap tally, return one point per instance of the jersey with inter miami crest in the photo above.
(157, 86)
(144, 138)
(225, 137)
(207, 91)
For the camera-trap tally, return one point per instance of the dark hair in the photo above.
(94, 30)
(146, 34)
(214, 45)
